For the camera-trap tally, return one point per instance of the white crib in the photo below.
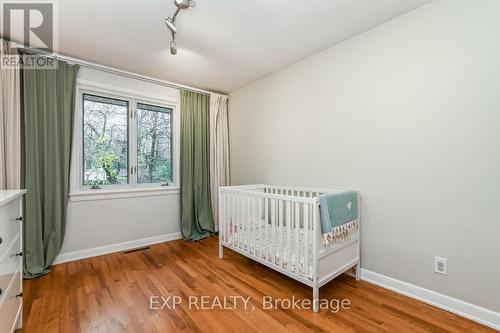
(280, 227)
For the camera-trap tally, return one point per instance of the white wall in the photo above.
(407, 113)
(99, 223)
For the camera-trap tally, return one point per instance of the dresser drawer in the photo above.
(11, 304)
(8, 266)
(9, 226)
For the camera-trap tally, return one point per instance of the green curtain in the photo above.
(48, 107)
(196, 212)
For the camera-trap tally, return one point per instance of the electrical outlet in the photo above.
(441, 265)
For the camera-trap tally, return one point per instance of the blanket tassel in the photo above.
(340, 233)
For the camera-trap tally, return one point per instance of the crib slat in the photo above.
(280, 230)
(246, 233)
(225, 216)
(241, 213)
(240, 220)
(266, 218)
(288, 228)
(237, 219)
(297, 243)
(306, 241)
(243, 220)
(249, 223)
(273, 227)
(254, 221)
(227, 223)
(230, 222)
(222, 217)
(248, 215)
(260, 227)
(312, 227)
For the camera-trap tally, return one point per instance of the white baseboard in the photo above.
(473, 312)
(101, 250)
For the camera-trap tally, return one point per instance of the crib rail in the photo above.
(274, 225)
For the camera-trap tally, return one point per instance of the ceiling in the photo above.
(222, 44)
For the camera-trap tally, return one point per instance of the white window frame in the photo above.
(80, 192)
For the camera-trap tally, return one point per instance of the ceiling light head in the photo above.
(170, 24)
(173, 47)
(183, 4)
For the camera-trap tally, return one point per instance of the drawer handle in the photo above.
(19, 295)
(1, 291)
(1, 240)
(20, 254)
(20, 218)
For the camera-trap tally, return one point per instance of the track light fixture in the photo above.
(170, 21)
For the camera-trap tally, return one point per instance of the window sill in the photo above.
(109, 194)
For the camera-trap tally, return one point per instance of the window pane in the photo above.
(105, 141)
(154, 145)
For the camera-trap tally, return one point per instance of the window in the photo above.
(154, 153)
(126, 142)
(105, 143)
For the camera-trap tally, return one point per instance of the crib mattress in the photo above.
(262, 246)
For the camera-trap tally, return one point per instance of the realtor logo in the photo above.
(32, 24)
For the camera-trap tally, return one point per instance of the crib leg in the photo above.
(315, 299)
(358, 271)
(221, 251)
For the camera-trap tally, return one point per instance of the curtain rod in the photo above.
(112, 70)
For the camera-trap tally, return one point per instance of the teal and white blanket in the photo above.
(339, 215)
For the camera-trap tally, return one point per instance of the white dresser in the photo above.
(11, 268)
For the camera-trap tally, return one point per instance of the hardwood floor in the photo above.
(112, 294)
